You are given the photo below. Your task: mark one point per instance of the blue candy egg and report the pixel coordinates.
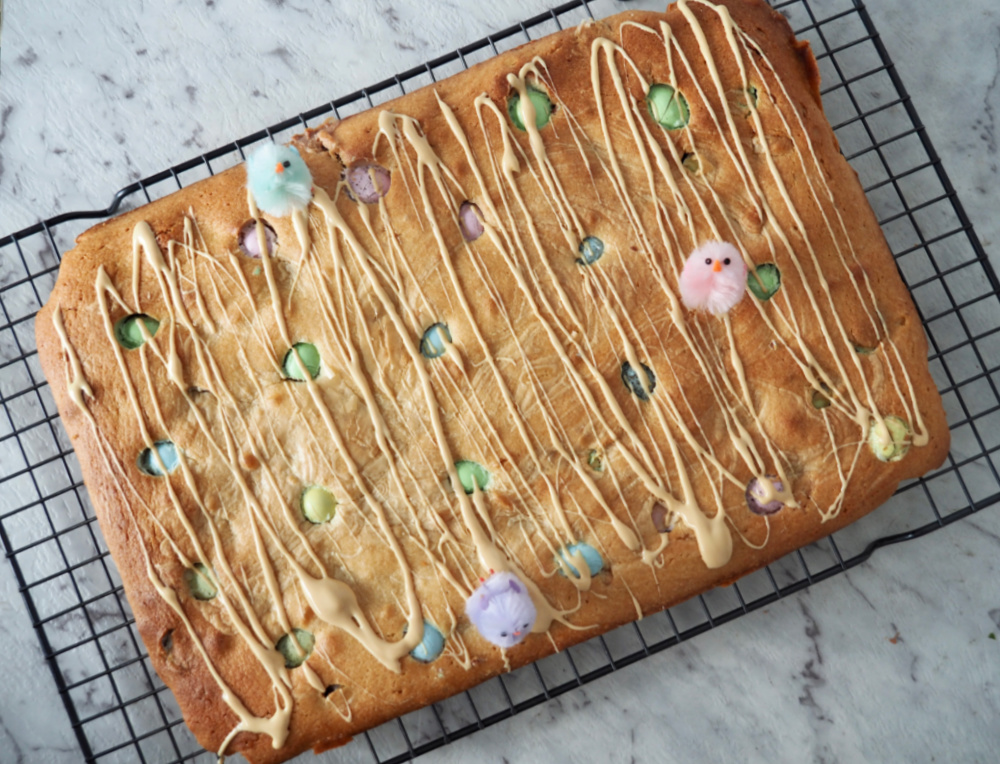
(167, 452)
(431, 646)
(432, 344)
(279, 180)
(590, 556)
(631, 379)
(591, 250)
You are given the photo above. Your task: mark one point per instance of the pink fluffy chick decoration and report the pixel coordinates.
(714, 278)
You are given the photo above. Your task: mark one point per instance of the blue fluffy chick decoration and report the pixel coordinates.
(279, 180)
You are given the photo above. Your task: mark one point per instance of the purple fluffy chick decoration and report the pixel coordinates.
(502, 610)
(714, 278)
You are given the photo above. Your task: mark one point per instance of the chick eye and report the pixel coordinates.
(525, 626)
(503, 633)
(286, 164)
(708, 261)
(726, 261)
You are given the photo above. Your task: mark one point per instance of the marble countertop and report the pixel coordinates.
(896, 660)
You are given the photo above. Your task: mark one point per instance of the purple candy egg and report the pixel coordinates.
(248, 242)
(368, 181)
(757, 493)
(470, 222)
(661, 518)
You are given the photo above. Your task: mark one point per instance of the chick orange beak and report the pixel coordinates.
(279, 168)
(517, 633)
(717, 266)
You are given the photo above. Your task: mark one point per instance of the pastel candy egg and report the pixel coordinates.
(667, 106)
(200, 582)
(592, 558)
(630, 377)
(661, 517)
(472, 475)
(301, 359)
(889, 439)
(296, 652)
(368, 181)
(435, 341)
(539, 101)
(760, 496)
(128, 331)
(431, 644)
(764, 281)
(248, 242)
(318, 505)
(469, 220)
(158, 467)
(591, 249)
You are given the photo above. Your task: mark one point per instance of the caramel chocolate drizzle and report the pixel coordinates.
(344, 270)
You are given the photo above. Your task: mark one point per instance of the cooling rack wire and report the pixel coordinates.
(117, 706)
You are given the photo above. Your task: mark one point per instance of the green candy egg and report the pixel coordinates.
(541, 102)
(309, 357)
(128, 331)
(667, 106)
(295, 653)
(471, 474)
(819, 400)
(889, 439)
(318, 505)
(764, 281)
(200, 582)
(595, 460)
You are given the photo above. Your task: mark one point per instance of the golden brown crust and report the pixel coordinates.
(227, 430)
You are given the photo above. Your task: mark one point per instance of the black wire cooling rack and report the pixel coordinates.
(119, 709)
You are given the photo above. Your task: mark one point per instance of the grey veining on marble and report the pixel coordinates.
(892, 661)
